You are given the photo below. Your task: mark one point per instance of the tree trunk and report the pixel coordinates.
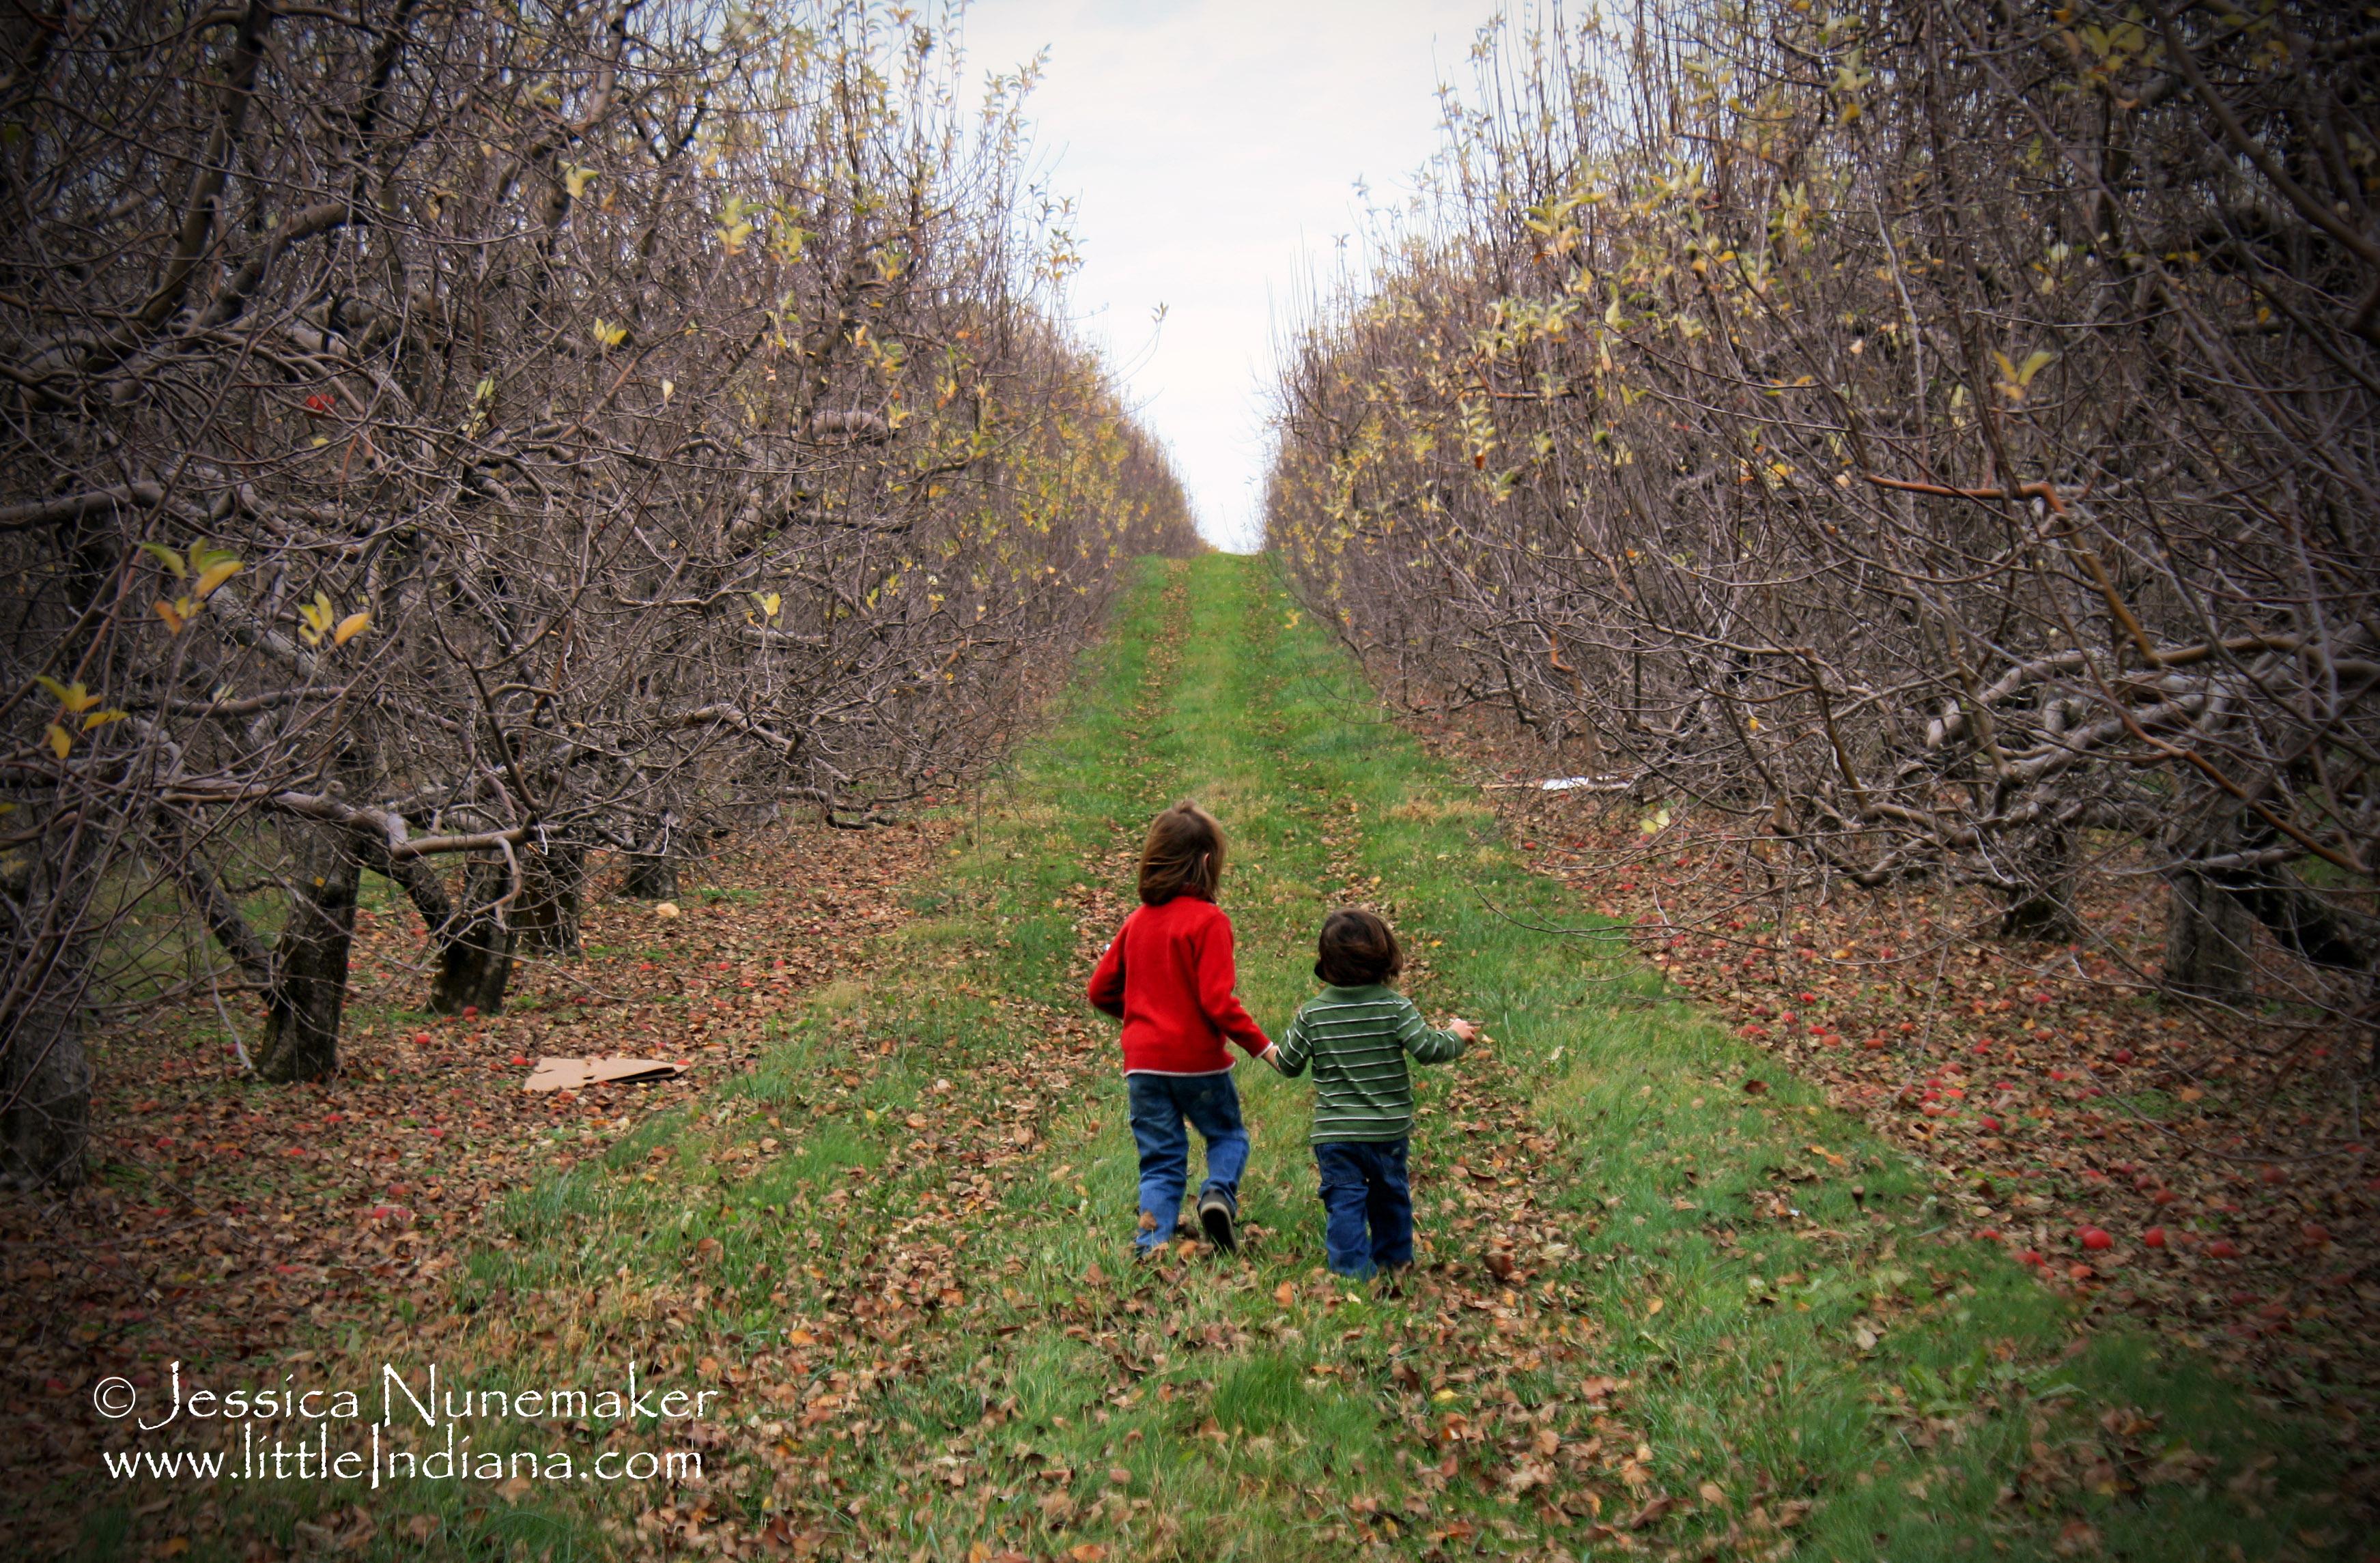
(651, 878)
(476, 960)
(309, 963)
(2324, 930)
(652, 872)
(2209, 935)
(547, 918)
(202, 888)
(2043, 908)
(45, 1086)
(44, 1077)
(2318, 931)
(2040, 915)
(416, 877)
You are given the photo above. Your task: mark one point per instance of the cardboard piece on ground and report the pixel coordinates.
(569, 1074)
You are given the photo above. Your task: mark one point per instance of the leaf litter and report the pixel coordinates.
(228, 1224)
(894, 1287)
(2207, 1171)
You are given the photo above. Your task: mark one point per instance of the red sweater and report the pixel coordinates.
(1168, 974)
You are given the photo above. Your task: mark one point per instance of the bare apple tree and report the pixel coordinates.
(443, 446)
(1941, 436)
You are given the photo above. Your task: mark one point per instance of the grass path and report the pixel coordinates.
(1670, 1301)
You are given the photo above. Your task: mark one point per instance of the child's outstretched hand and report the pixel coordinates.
(1272, 1055)
(1464, 1028)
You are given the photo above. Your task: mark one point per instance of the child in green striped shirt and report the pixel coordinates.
(1356, 1032)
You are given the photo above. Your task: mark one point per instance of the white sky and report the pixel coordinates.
(1213, 148)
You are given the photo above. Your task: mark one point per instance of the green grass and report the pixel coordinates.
(1843, 1383)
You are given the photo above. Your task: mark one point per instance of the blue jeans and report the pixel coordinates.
(1367, 1204)
(1161, 1105)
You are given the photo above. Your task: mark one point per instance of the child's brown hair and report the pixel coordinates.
(1358, 949)
(1183, 855)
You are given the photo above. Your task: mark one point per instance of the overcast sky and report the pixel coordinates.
(1214, 147)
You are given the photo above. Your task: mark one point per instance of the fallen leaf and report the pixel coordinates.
(1651, 1513)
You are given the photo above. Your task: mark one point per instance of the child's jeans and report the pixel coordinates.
(1367, 1204)
(1161, 1104)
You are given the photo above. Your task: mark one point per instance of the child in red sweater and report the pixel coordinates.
(1169, 976)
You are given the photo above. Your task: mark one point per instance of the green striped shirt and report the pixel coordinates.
(1357, 1039)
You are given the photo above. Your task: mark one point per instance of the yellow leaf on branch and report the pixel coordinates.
(72, 697)
(213, 577)
(315, 619)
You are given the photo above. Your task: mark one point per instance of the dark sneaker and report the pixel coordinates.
(1217, 1213)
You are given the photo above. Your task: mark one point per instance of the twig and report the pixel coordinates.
(246, 1065)
(1621, 934)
